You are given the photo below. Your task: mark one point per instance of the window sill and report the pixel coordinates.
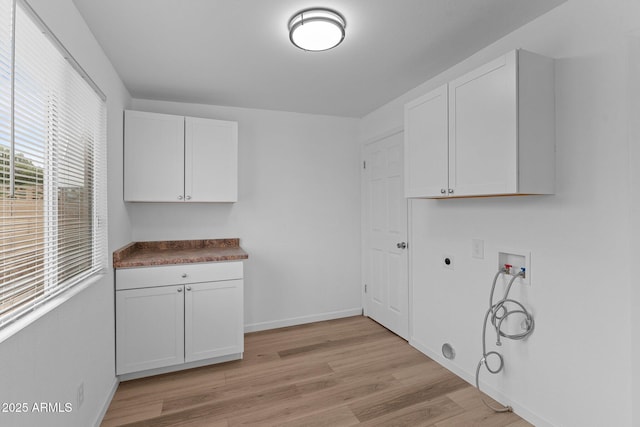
(26, 320)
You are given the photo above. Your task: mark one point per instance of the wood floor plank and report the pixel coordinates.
(427, 371)
(520, 423)
(476, 413)
(488, 419)
(167, 385)
(312, 400)
(331, 344)
(333, 417)
(342, 372)
(221, 409)
(404, 397)
(389, 365)
(257, 378)
(131, 414)
(202, 422)
(421, 414)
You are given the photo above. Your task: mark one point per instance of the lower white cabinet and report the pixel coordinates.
(171, 315)
(149, 328)
(213, 322)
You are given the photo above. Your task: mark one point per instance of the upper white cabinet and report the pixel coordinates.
(179, 159)
(211, 160)
(153, 157)
(426, 134)
(499, 137)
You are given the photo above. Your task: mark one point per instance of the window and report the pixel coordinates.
(52, 166)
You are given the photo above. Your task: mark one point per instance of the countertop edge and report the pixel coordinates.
(146, 254)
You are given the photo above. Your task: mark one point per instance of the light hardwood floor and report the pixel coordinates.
(341, 372)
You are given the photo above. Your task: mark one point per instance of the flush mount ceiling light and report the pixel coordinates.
(317, 29)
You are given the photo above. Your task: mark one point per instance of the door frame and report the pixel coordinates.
(364, 222)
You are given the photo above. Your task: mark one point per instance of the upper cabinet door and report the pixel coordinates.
(426, 134)
(483, 131)
(211, 160)
(153, 157)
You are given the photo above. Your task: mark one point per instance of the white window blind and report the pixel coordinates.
(52, 169)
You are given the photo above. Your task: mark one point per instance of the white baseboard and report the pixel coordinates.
(292, 321)
(107, 402)
(469, 377)
(179, 367)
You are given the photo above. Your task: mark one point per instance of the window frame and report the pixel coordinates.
(55, 291)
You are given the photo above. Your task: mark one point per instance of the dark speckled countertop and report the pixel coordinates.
(142, 254)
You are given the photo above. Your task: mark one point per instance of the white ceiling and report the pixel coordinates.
(237, 52)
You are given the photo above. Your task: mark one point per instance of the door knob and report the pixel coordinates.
(401, 245)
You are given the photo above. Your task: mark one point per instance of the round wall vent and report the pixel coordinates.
(448, 351)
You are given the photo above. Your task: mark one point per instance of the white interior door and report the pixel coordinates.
(386, 298)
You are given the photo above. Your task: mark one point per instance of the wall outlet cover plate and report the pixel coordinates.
(477, 248)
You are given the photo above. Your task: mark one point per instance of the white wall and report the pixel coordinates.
(298, 217)
(634, 196)
(74, 343)
(297, 214)
(575, 368)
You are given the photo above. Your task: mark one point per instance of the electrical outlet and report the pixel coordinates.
(80, 394)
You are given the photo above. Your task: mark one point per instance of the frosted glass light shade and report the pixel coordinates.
(317, 29)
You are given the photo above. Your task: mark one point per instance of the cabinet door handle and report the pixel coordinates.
(451, 191)
(184, 275)
(188, 288)
(179, 197)
(179, 289)
(188, 197)
(443, 191)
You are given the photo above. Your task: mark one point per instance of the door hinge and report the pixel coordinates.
(365, 288)
(364, 164)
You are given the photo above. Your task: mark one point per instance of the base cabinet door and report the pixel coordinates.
(149, 328)
(213, 319)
